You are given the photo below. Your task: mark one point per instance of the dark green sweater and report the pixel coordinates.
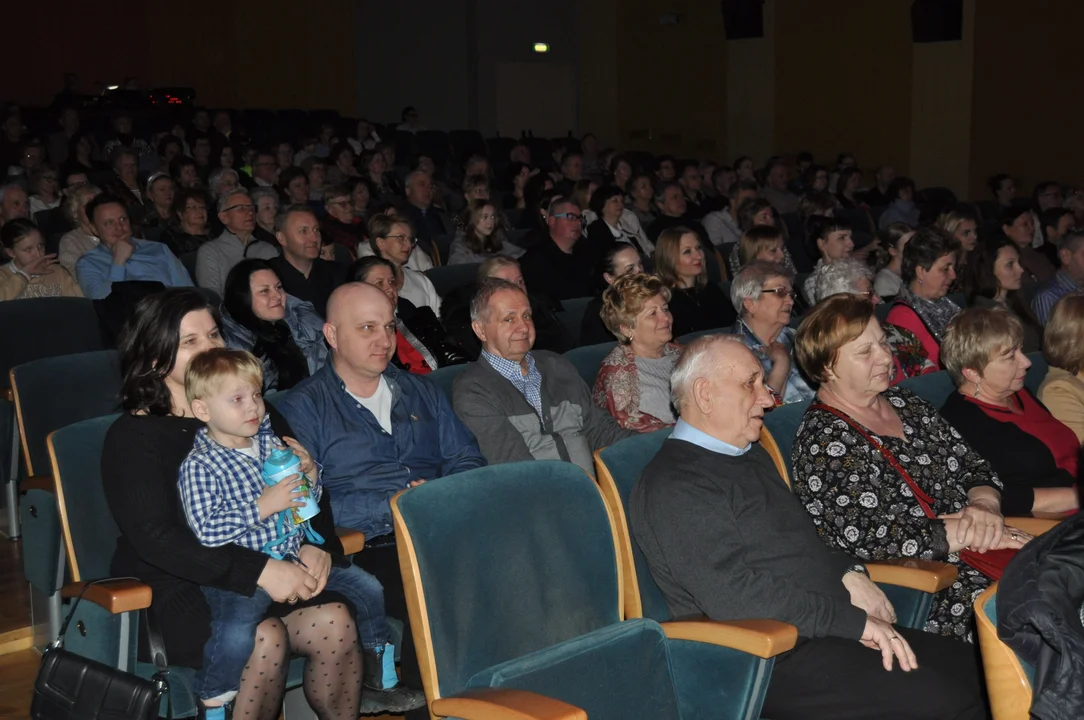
(724, 537)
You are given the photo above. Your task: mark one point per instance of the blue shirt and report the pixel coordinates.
(797, 389)
(529, 385)
(363, 466)
(150, 261)
(685, 431)
(1051, 291)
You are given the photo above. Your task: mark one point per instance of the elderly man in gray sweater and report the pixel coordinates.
(725, 538)
(215, 259)
(524, 404)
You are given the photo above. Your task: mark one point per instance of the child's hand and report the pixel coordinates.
(308, 467)
(280, 496)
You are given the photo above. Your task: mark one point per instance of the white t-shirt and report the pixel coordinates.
(379, 404)
(252, 450)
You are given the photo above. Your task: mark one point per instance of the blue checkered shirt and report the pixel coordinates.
(1050, 292)
(219, 489)
(530, 385)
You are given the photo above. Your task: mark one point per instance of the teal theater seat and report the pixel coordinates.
(514, 577)
(445, 377)
(588, 358)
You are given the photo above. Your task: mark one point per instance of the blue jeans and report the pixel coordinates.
(234, 619)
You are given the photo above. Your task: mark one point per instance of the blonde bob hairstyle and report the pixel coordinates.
(975, 337)
(667, 252)
(625, 298)
(831, 324)
(207, 371)
(755, 240)
(1063, 338)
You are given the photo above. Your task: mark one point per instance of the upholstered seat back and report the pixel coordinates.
(510, 559)
(623, 463)
(587, 360)
(782, 422)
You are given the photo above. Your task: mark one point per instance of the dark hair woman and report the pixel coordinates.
(140, 461)
(285, 333)
(422, 343)
(994, 278)
(620, 259)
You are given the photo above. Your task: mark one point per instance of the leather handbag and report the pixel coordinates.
(70, 686)
(991, 563)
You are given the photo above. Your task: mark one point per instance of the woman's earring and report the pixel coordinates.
(976, 389)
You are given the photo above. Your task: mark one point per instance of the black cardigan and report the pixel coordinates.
(1023, 462)
(140, 465)
(703, 308)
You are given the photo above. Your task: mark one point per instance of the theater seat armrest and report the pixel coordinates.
(925, 575)
(1036, 525)
(37, 482)
(505, 704)
(116, 596)
(763, 638)
(353, 540)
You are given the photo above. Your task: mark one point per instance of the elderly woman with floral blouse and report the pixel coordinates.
(633, 384)
(869, 459)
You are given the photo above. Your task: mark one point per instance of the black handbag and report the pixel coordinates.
(73, 687)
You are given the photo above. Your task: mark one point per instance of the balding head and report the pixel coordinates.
(360, 330)
(718, 388)
(419, 189)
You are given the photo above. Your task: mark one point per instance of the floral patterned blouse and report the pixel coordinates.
(908, 355)
(861, 505)
(618, 389)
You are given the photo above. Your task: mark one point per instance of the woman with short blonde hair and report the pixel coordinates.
(1062, 390)
(1033, 453)
(633, 383)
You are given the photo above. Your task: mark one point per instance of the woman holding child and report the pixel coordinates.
(143, 453)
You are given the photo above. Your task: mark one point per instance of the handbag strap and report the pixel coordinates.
(924, 500)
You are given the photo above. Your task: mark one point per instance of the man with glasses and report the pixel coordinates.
(428, 221)
(674, 211)
(339, 222)
(561, 266)
(215, 259)
(265, 169)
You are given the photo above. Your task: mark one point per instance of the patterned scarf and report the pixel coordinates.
(935, 314)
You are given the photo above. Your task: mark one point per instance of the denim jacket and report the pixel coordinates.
(305, 325)
(363, 466)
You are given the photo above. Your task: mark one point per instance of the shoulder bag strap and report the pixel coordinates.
(923, 499)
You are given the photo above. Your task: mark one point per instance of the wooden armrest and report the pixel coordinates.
(116, 596)
(763, 638)
(353, 540)
(1036, 525)
(38, 482)
(925, 575)
(504, 704)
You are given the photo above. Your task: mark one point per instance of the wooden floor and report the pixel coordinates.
(14, 591)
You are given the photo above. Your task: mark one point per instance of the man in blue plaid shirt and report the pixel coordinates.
(226, 501)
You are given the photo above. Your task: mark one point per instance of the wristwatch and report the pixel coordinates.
(858, 568)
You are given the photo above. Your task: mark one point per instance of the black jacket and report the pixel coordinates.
(1040, 615)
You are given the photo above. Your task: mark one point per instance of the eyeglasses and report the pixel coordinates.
(568, 216)
(343, 203)
(243, 207)
(404, 238)
(781, 292)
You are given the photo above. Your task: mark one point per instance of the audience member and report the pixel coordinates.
(303, 274)
(31, 272)
(642, 199)
(763, 297)
(695, 303)
(409, 122)
(123, 137)
(428, 222)
(1034, 455)
(665, 169)
(1045, 196)
(215, 259)
(285, 333)
(316, 171)
(761, 242)
(81, 239)
(850, 180)
(829, 241)
(1054, 223)
(393, 238)
(1069, 277)
(222, 181)
(722, 226)
(1017, 223)
(1003, 188)
(901, 204)
(295, 185)
(673, 213)
(1062, 391)
(60, 141)
(340, 224)
(633, 382)
(482, 236)
(340, 164)
(421, 343)
(265, 170)
(696, 202)
(888, 281)
(880, 195)
(855, 277)
(922, 305)
(159, 212)
(619, 260)
(14, 203)
(524, 404)
(903, 454)
(724, 537)
(775, 188)
(993, 280)
(190, 230)
(186, 171)
(44, 188)
(559, 266)
(121, 257)
(81, 154)
(613, 222)
(267, 201)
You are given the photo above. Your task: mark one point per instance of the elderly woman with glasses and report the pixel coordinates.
(393, 239)
(881, 473)
(339, 222)
(853, 276)
(633, 384)
(763, 296)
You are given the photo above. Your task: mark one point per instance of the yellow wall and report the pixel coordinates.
(750, 86)
(843, 79)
